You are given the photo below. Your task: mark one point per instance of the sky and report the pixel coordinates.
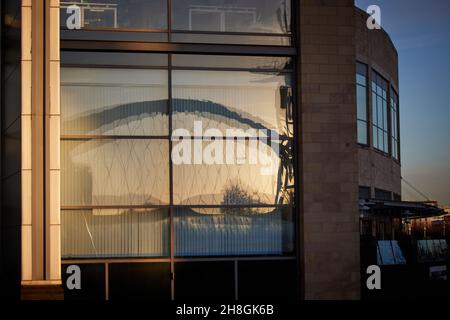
(420, 30)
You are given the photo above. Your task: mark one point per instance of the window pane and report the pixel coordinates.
(361, 70)
(362, 103)
(232, 100)
(271, 16)
(109, 59)
(380, 112)
(115, 172)
(228, 231)
(119, 14)
(374, 109)
(375, 137)
(243, 173)
(386, 142)
(232, 62)
(361, 80)
(362, 132)
(100, 101)
(115, 233)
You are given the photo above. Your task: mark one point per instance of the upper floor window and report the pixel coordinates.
(361, 93)
(118, 14)
(395, 125)
(252, 22)
(380, 113)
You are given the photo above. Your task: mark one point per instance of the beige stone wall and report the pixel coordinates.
(378, 171)
(375, 48)
(329, 163)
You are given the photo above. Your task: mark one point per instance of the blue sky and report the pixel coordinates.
(420, 29)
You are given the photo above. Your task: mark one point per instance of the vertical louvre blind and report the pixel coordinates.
(115, 233)
(234, 233)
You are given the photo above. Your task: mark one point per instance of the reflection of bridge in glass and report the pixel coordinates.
(106, 118)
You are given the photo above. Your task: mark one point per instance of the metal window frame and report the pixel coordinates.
(171, 206)
(205, 49)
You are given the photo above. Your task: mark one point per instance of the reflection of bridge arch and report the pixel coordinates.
(108, 116)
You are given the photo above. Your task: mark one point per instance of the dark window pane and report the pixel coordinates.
(119, 14)
(255, 16)
(100, 101)
(115, 233)
(383, 195)
(92, 283)
(364, 193)
(115, 172)
(268, 280)
(232, 231)
(374, 109)
(140, 281)
(210, 281)
(361, 69)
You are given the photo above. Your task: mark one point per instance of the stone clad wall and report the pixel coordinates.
(329, 162)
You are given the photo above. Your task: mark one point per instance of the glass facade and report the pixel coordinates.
(187, 21)
(361, 99)
(125, 126)
(380, 110)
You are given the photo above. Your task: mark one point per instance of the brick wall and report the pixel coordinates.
(329, 161)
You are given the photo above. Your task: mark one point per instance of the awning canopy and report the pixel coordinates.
(400, 208)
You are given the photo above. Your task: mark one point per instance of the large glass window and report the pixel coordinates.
(395, 125)
(380, 113)
(199, 145)
(250, 22)
(361, 96)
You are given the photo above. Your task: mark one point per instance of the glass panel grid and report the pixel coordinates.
(114, 173)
